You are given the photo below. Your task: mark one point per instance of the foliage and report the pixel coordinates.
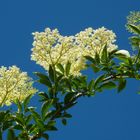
(63, 58)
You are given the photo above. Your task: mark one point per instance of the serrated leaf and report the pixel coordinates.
(40, 124)
(95, 68)
(28, 119)
(68, 98)
(91, 84)
(19, 119)
(26, 101)
(35, 115)
(18, 127)
(44, 79)
(67, 70)
(46, 136)
(60, 67)
(64, 121)
(70, 105)
(19, 105)
(104, 55)
(31, 127)
(51, 123)
(44, 96)
(68, 84)
(108, 85)
(52, 73)
(67, 115)
(98, 80)
(45, 107)
(97, 58)
(59, 78)
(121, 85)
(90, 59)
(11, 134)
(52, 128)
(50, 114)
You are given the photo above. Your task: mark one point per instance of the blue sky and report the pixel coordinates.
(107, 116)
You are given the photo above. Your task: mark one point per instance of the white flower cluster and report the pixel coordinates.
(14, 85)
(49, 47)
(93, 41)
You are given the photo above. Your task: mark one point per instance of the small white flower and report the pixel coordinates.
(49, 47)
(14, 84)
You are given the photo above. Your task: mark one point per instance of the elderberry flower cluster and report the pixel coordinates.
(93, 41)
(14, 85)
(49, 47)
(52, 48)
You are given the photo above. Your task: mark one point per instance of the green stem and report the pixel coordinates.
(137, 56)
(0, 133)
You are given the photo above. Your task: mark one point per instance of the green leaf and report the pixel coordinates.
(135, 41)
(28, 119)
(59, 78)
(95, 68)
(41, 75)
(46, 136)
(60, 67)
(26, 101)
(104, 55)
(108, 85)
(91, 84)
(90, 59)
(44, 79)
(35, 115)
(19, 118)
(64, 121)
(31, 127)
(0, 135)
(50, 114)
(19, 105)
(68, 84)
(51, 128)
(52, 73)
(112, 52)
(98, 80)
(45, 107)
(134, 28)
(97, 58)
(11, 135)
(121, 85)
(68, 65)
(51, 123)
(44, 96)
(18, 127)
(40, 124)
(68, 98)
(67, 115)
(70, 105)
(2, 115)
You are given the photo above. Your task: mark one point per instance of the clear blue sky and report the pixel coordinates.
(107, 116)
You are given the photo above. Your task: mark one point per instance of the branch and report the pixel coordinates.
(35, 137)
(78, 95)
(67, 105)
